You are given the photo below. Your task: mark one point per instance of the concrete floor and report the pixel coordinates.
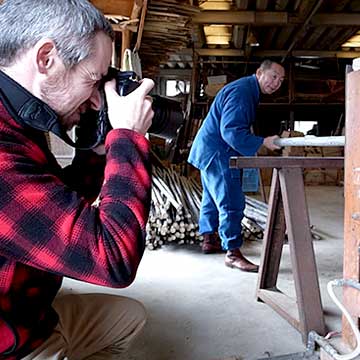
(198, 309)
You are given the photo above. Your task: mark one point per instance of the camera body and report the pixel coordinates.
(167, 121)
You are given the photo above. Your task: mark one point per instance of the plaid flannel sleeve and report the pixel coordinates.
(85, 174)
(47, 225)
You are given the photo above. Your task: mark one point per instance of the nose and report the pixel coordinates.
(95, 99)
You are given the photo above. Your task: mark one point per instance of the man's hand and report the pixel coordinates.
(269, 142)
(134, 111)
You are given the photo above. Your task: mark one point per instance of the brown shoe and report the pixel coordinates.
(235, 259)
(211, 244)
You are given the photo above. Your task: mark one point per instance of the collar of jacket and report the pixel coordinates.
(257, 86)
(28, 110)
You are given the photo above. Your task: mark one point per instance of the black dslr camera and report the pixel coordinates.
(94, 125)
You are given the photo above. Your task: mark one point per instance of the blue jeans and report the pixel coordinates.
(223, 202)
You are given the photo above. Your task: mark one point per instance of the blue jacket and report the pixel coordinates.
(226, 130)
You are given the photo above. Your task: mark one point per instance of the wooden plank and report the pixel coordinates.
(351, 298)
(339, 19)
(276, 53)
(302, 253)
(141, 26)
(280, 5)
(273, 238)
(343, 36)
(282, 304)
(261, 4)
(315, 34)
(241, 17)
(245, 17)
(119, 7)
(285, 162)
(284, 36)
(242, 4)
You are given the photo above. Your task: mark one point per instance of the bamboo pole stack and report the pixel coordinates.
(175, 208)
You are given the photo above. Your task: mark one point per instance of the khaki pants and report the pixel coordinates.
(92, 326)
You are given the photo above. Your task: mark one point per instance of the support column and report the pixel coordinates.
(351, 297)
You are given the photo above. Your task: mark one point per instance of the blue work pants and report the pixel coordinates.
(223, 202)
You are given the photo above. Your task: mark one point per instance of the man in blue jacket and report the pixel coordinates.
(226, 132)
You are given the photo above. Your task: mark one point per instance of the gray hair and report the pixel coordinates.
(71, 24)
(266, 64)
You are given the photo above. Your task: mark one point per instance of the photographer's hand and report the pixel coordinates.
(134, 111)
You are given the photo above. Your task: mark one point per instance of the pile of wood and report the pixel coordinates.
(167, 30)
(175, 208)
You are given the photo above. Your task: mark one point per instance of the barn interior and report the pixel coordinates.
(198, 308)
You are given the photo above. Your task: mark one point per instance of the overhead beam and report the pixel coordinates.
(340, 19)
(272, 18)
(278, 53)
(300, 33)
(241, 17)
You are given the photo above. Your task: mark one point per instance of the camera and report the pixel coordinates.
(94, 125)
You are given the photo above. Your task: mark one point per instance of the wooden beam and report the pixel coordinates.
(315, 35)
(130, 25)
(340, 19)
(240, 17)
(238, 36)
(143, 10)
(305, 8)
(284, 36)
(351, 297)
(119, 7)
(280, 5)
(241, 4)
(340, 5)
(286, 162)
(342, 37)
(267, 40)
(261, 4)
(275, 53)
(302, 30)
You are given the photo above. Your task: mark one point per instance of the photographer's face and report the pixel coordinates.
(70, 92)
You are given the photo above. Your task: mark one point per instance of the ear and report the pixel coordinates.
(45, 55)
(258, 73)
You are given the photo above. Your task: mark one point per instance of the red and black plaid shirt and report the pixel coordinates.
(49, 229)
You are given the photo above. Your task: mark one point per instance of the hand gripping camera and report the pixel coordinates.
(94, 125)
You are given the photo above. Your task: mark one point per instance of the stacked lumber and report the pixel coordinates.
(167, 30)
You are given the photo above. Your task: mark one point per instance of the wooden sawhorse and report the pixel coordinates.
(288, 213)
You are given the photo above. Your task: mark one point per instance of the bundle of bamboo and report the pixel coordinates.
(175, 211)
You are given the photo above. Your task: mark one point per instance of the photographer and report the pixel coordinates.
(53, 54)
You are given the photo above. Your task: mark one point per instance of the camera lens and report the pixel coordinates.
(168, 117)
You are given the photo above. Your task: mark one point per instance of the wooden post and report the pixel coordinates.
(351, 297)
(138, 10)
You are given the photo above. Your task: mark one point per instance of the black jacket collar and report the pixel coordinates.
(28, 110)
